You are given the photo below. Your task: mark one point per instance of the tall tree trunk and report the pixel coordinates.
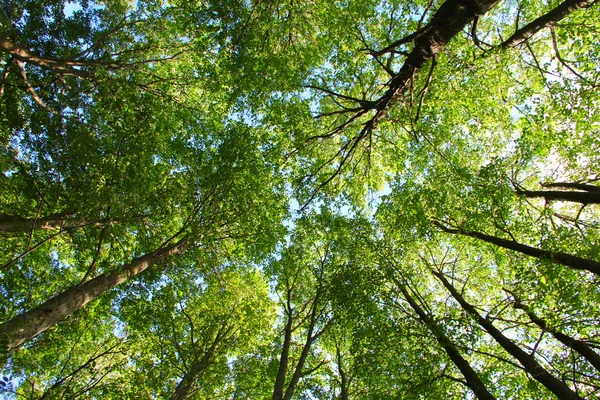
(198, 367)
(310, 338)
(344, 379)
(279, 388)
(575, 197)
(548, 19)
(29, 324)
(561, 390)
(568, 260)
(576, 345)
(15, 223)
(472, 378)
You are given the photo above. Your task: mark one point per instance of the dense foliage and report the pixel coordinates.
(300, 199)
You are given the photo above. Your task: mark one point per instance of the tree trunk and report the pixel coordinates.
(548, 19)
(576, 345)
(473, 381)
(447, 22)
(29, 324)
(289, 392)
(15, 223)
(561, 258)
(561, 390)
(278, 391)
(198, 367)
(575, 197)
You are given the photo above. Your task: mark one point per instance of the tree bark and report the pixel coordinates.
(561, 390)
(59, 66)
(198, 367)
(279, 388)
(29, 324)
(472, 378)
(15, 223)
(447, 22)
(576, 345)
(575, 197)
(568, 260)
(548, 19)
(289, 392)
(573, 185)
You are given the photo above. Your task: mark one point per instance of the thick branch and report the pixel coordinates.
(577, 345)
(58, 66)
(573, 185)
(15, 223)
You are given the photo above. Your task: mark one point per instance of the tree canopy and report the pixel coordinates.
(300, 199)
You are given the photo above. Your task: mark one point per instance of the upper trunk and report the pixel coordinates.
(29, 324)
(310, 338)
(448, 21)
(198, 367)
(561, 390)
(278, 390)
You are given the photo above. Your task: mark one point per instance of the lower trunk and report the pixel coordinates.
(561, 390)
(182, 390)
(29, 324)
(289, 392)
(473, 381)
(278, 391)
(561, 258)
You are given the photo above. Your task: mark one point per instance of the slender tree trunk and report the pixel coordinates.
(561, 390)
(472, 378)
(561, 258)
(548, 19)
(29, 324)
(576, 345)
(344, 380)
(198, 367)
(15, 223)
(575, 197)
(278, 391)
(289, 392)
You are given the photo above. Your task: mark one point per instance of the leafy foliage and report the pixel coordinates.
(299, 199)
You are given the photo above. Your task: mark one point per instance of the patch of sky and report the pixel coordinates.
(71, 8)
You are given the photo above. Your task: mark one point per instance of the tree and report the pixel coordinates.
(162, 161)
